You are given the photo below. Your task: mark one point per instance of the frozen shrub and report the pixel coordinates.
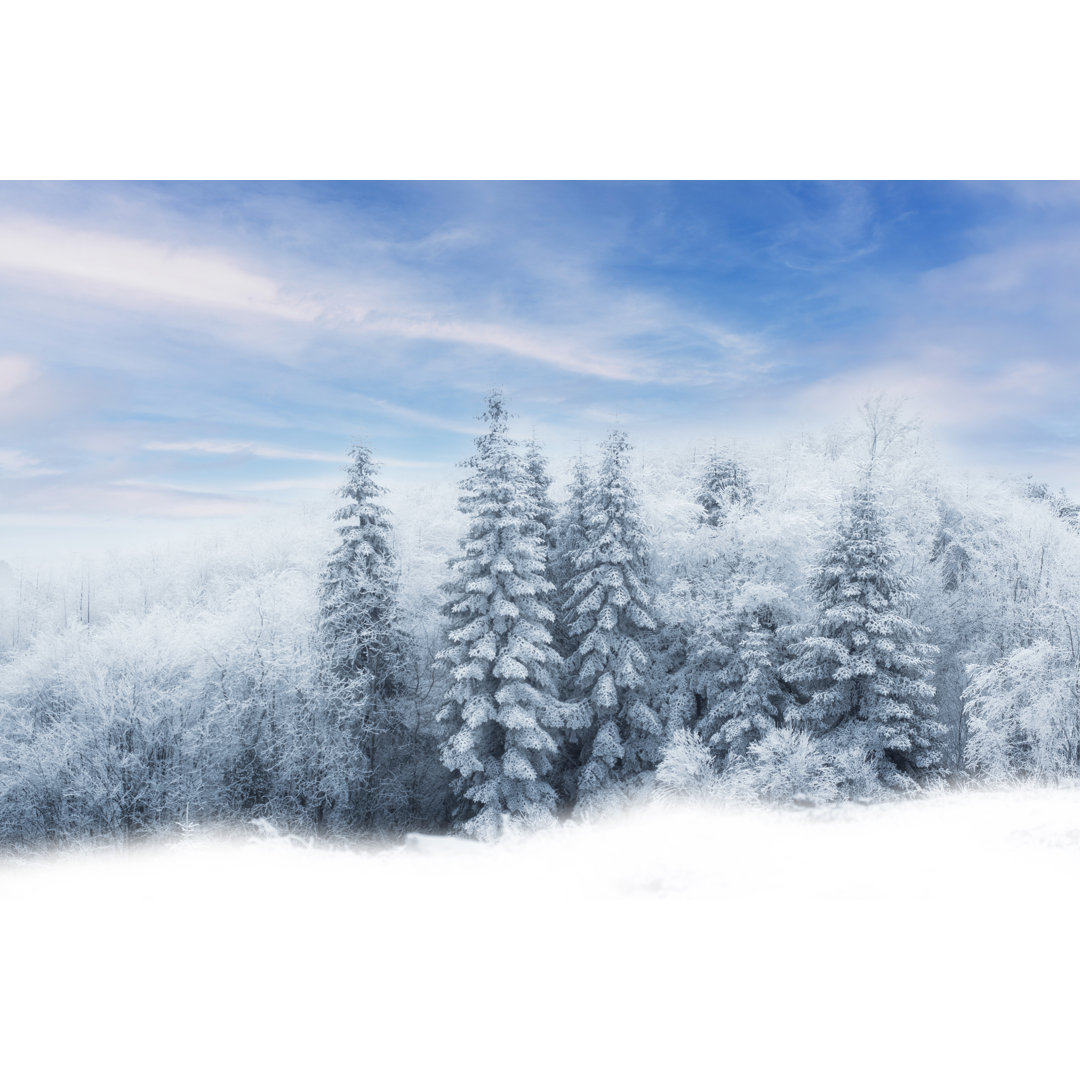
(856, 774)
(786, 766)
(686, 767)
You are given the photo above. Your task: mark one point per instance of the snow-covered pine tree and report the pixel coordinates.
(570, 526)
(499, 709)
(358, 589)
(866, 672)
(360, 630)
(609, 612)
(723, 485)
(569, 535)
(736, 658)
(952, 550)
(536, 467)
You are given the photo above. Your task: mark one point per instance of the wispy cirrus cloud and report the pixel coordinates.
(202, 340)
(414, 417)
(18, 463)
(139, 499)
(941, 386)
(227, 448)
(132, 271)
(527, 343)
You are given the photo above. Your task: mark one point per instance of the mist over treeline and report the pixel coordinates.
(836, 616)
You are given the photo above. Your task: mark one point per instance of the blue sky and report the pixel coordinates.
(190, 351)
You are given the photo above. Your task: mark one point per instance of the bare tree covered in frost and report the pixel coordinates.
(500, 707)
(616, 735)
(1024, 715)
(865, 670)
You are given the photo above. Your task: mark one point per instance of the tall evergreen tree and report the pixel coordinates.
(536, 467)
(609, 611)
(723, 485)
(570, 523)
(866, 673)
(500, 708)
(570, 526)
(736, 656)
(358, 589)
(361, 634)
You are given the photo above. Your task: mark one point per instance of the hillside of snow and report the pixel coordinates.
(924, 938)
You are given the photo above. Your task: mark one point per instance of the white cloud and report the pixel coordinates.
(414, 416)
(134, 499)
(134, 270)
(401, 463)
(18, 463)
(15, 371)
(224, 447)
(943, 387)
(308, 483)
(520, 342)
(1044, 194)
(988, 275)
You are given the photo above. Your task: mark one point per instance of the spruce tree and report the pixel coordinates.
(866, 673)
(358, 590)
(723, 485)
(569, 541)
(952, 550)
(570, 523)
(499, 708)
(543, 512)
(737, 657)
(608, 612)
(363, 644)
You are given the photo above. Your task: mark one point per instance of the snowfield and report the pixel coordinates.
(928, 938)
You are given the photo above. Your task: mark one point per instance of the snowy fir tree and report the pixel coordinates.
(723, 486)
(543, 512)
(570, 524)
(952, 550)
(737, 656)
(569, 533)
(360, 631)
(499, 708)
(616, 734)
(358, 589)
(866, 673)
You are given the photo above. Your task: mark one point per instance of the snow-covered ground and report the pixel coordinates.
(932, 938)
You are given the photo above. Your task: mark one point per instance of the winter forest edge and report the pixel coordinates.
(838, 617)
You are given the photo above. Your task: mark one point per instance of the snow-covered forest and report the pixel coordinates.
(834, 616)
